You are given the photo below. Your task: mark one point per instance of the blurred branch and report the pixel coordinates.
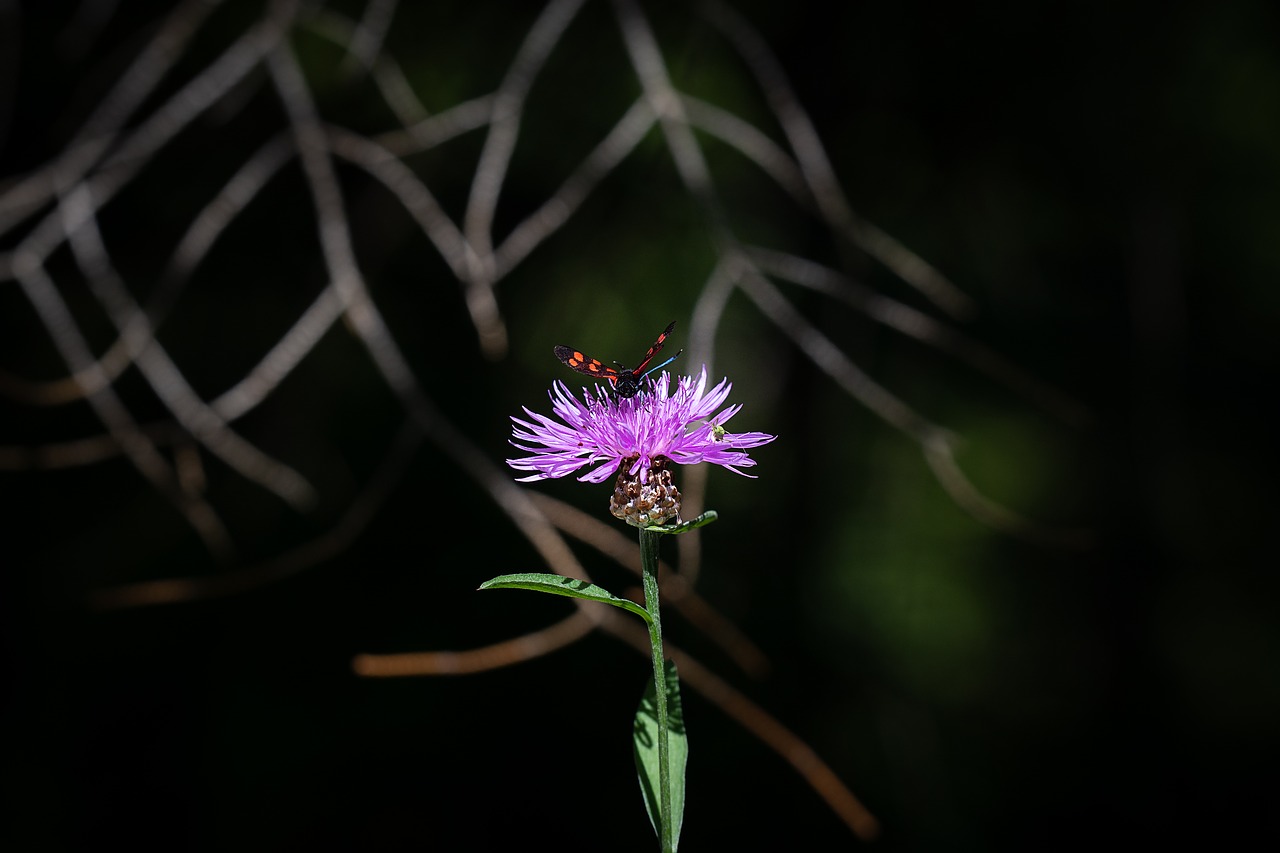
(520, 649)
(495, 157)
(359, 512)
(101, 129)
(56, 317)
(609, 539)
(200, 420)
(59, 205)
(819, 173)
(920, 326)
(777, 737)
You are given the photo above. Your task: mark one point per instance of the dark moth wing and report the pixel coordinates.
(575, 360)
(625, 382)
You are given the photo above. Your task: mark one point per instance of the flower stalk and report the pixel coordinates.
(649, 575)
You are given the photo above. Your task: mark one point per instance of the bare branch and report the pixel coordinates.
(410, 190)
(816, 772)
(921, 327)
(164, 376)
(496, 656)
(102, 127)
(335, 540)
(43, 294)
(555, 212)
(819, 173)
(677, 591)
(486, 185)
(935, 441)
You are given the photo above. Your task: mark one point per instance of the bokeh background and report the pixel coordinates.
(1076, 644)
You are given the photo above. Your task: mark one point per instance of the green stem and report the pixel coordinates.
(649, 567)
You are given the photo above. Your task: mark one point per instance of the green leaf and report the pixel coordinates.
(645, 743)
(570, 587)
(701, 521)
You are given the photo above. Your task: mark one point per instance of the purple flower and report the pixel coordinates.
(645, 431)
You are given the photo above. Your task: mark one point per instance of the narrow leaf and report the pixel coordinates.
(645, 745)
(570, 587)
(701, 521)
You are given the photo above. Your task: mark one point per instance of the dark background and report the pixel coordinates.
(1102, 180)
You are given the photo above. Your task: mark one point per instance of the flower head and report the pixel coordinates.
(634, 437)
